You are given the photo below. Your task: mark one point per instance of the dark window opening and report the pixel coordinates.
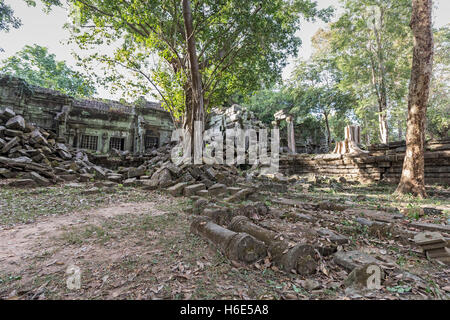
(117, 143)
(151, 142)
(89, 142)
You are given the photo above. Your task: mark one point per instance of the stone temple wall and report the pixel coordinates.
(88, 124)
(382, 163)
(313, 141)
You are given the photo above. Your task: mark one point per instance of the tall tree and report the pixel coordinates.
(198, 113)
(372, 46)
(438, 110)
(38, 67)
(413, 176)
(192, 52)
(315, 87)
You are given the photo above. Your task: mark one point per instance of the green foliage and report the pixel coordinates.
(265, 103)
(316, 91)
(7, 18)
(241, 45)
(399, 289)
(438, 120)
(372, 45)
(313, 97)
(312, 127)
(38, 67)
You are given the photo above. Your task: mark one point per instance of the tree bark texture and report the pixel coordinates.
(413, 177)
(195, 106)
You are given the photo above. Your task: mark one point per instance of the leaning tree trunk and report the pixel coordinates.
(195, 110)
(413, 176)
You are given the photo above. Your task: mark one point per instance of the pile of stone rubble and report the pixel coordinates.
(31, 157)
(434, 245)
(230, 118)
(159, 172)
(35, 157)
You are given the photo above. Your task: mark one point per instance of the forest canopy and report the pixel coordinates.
(358, 73)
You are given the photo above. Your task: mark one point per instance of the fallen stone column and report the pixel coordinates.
(299, 258)
(235, 246)
(243, 224)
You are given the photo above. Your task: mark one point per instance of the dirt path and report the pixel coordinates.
(144, 250)
(22, 242)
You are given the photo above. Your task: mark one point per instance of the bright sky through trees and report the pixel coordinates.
(47, 30)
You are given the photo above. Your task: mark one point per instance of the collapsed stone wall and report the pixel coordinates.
(35, 157)
(239, 117)
(382, 163)
(76, 120)
(235, 116)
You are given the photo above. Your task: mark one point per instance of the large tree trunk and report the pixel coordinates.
(382, 117)
(382, 100)
(400, 130)
(382, 105)
(195, 110)
(413, 177)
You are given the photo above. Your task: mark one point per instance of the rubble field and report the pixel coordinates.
(132, 243)
(156, 230)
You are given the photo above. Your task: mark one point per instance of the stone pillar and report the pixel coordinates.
(104, 143)
(71, 137)
(61, 122)
(275, 125)
(141, 133)
(79, 138)
(290, 134)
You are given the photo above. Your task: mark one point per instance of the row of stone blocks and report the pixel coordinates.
(367, 167)
(188, 189)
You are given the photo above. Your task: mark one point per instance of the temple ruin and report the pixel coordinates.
(104, 126)
(98, 126)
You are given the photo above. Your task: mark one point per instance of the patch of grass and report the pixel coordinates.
(401, 260)
(179, 206)
(20, 206)
(83, 234)
(8, 278)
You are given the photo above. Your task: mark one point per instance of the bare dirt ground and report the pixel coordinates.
(135, 244)
(19, 243)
